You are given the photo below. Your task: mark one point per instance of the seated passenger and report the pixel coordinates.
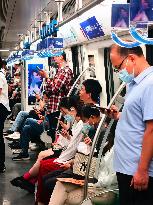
(67, 107)
(21, 118)
(72, 192)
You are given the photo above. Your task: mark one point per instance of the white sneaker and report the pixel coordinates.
(33, 146)
(11, 121)
(14, 136)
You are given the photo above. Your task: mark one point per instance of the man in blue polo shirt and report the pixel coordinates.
(133, 146)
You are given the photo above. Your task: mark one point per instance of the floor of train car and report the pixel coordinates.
(10, 195)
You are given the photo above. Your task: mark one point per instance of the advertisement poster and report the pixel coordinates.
(141, 10)
(34, 81)
(91, 28)
(120, 16)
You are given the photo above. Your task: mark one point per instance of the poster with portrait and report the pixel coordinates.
(120, 16)
(34, 81)
(141, 11)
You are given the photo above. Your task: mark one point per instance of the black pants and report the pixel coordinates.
(129, 196)
(3, 115)
(50, 180)
(52, 118)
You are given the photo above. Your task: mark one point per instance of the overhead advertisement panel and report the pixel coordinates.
(94, 23)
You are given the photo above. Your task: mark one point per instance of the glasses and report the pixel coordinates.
(117, 68)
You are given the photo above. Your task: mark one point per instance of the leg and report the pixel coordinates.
(63, 189)
(52, 118)
(3, 115)
(16, 110)
(50, 180)
(35, 168)
(22, 115)
(46, 166)
(130, 196)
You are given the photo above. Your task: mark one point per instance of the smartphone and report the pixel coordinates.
(34, 92)
(85, 134)
(106, 110)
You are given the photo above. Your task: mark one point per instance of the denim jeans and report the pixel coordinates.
(30, 131)
(21, 117)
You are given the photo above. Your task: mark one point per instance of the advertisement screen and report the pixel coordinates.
(141, 10)
(34, 81)
(120, 16)
(91, 28)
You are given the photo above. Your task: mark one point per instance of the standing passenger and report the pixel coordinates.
(4, 108)
(57, 88)
(133, 147)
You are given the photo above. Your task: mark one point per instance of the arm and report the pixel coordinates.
(141, 178)
(57, 83)
(0, 91)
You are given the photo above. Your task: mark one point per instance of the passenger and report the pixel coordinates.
(71, 189)
(69, 107)
(4, 110)
(14, 131)
(57, 88)
(133, 150)
(89, 93)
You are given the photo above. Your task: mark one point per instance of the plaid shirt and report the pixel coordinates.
(58, 87)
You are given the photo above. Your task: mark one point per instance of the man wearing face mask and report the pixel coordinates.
(4, 108)
(133, 146)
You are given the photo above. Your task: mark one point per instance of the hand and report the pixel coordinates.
(39, 121)
(65, 133)
(114, 114)
(66, 166)
(140, 180)
(37, 96)
(87, 140)
(43, 74)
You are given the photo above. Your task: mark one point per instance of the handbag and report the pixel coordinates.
(80, 165)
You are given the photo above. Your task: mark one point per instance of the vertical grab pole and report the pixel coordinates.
(96, 139)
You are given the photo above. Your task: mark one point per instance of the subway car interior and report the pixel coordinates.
(76, 96)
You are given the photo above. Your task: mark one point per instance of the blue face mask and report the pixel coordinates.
(125, 76)
(86, 127)
(69, 118)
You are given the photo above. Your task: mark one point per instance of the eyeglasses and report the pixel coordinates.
(117, 68)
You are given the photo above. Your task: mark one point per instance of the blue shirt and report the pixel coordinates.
(138, 108)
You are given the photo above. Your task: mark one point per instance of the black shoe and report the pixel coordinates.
(23, 184)
(2, 168)
(14, 145)
(8, 132)
(21, 157)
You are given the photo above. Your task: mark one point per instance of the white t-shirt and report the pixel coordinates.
(71, 150)
(4, 94)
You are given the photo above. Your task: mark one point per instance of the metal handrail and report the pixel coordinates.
(78, 78)
(100, 127)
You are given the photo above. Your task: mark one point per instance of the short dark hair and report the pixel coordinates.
(68, 102)
(4, 62)
(93, 87)
(89, 110)
(64, 55)
(126, 51)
